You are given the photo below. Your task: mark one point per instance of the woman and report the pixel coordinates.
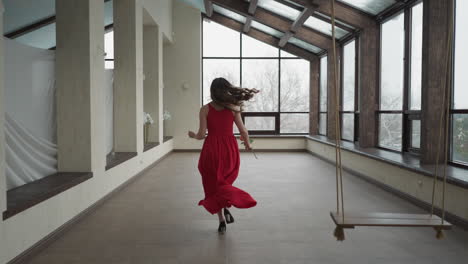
(220, 160)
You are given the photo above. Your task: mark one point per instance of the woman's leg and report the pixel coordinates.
(220, 216)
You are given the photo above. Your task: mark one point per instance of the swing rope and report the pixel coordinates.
(339, 233)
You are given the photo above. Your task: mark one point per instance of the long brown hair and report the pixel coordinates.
(229, 96)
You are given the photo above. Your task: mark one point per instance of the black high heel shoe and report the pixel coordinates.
(228, 216)
(222, 227)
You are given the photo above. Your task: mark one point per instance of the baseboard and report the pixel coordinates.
(450, 217)
(54, 235)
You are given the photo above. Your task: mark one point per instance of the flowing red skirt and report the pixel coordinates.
(219, 166)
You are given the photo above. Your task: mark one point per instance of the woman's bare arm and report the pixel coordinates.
(243, 131)
(203, 125)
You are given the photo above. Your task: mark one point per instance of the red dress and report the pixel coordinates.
(219, 164)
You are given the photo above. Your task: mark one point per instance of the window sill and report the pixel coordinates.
(455, 175)
(26, 196)
(118, 158)
(167, 138)
(150, 145)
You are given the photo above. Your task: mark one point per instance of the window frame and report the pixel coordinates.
(320, 112)
(355, 111)
(275, 114)
(454, 111)
(406, 113)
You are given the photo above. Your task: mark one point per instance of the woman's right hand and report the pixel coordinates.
(191, 134)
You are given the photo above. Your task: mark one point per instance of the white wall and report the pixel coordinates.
(30, 88)
(414, 184)
(161, 12)
(182, 64)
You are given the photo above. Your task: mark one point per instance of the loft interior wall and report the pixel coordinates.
(161, 12)
(23, 230)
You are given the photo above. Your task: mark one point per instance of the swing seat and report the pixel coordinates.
(352, 220)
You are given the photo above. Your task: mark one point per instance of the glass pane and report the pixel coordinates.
(323, 124)
(260, 123)
(109, 45)
(460, 138)
(304, 45)
(214, 68)
(295, 85)
(294, 123)
(254, 48)
(338, 22)
(220, 41)
(267, 29)
(347, 129)
(109, 65)
(461, 56)
(280, 9)
(415, 133)
(43, 38)
(261, 74)
(392, 59)
(323, 84)
(390, 131)
(229, 13)
(370, 6)
(416, 56)
(285, 54)
(324, 27)
(349, 75)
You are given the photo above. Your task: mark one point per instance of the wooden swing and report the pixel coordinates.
(352, 220)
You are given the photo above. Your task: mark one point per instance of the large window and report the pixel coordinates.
(400, 94)
(109, 49)
(282, 106)
(349, 93)
(323, 96)
(459, 112)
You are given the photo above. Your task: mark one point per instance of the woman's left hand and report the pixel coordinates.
(191, 134)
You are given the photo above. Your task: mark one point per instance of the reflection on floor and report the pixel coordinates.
(156, 220)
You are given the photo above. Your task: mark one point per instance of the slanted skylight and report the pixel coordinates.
(370, 6)
(229, 13)
(267, 29)
(338, 22)
(324, 27)
(280, 9)
(304, 45)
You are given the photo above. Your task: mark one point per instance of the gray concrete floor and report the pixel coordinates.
(156, 220)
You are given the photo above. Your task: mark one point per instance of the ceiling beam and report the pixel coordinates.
(277, 22)
(263, 37)
(208, 8)
(253, 6)
(296, 25)
(251, 11)
(343, 12)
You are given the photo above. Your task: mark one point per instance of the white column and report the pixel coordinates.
(79, 75)
(160, 86)
(128, 80)
(151, 82)
(2, 117)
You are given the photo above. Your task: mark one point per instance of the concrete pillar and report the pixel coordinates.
(151, 83)
(79, 75)
(331, 95)
(368, 83)
(2, 117)
(128, 76)
(434, 55)
(314, 96)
